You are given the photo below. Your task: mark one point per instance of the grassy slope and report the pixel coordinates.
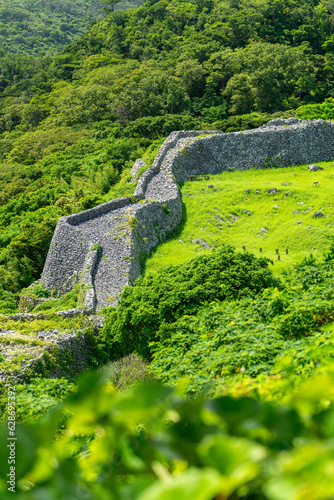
(296, 191)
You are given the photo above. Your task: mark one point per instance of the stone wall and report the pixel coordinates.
(66, 357)
(126, 229)
(48, 353)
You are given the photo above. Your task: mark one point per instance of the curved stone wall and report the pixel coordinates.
(126, 229)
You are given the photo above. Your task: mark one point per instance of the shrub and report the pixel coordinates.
(249, 336)
(34, 399)
(67, 301)
(8, 302)
(128, 371)
(145, 310)
(325, 110)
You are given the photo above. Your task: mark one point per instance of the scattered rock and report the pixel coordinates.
(210, 186)
(264, 229)
(225, 219)
(276, 206)
(234, 217)
(203, 243)
(258, 191)
(318, 214)
(299, 222)
(218, 218)
(314, 167)
(246, 212)
(247, 191)
(272, 191)
(181, 241)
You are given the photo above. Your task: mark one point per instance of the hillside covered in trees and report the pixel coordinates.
(35, 26)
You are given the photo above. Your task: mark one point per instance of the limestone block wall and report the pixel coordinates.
(280, 143)
(69, 357)
(126, 229)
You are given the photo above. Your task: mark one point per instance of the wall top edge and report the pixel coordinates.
(277, 124)
(96, 211)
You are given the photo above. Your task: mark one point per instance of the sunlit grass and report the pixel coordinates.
(50, 322)
(296, 192)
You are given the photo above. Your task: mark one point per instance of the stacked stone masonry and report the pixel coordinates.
(126, 229)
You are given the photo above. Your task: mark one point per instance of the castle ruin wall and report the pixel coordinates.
(126, 229)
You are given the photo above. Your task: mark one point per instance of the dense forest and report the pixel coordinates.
(246, 412)
(39, 26)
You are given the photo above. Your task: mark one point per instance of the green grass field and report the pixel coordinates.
(228, 214)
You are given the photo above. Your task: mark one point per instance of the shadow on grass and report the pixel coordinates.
(174, 235)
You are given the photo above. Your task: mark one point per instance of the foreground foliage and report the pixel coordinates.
(151, 443)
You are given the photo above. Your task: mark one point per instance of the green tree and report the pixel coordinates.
(270, 75)
(110, 4)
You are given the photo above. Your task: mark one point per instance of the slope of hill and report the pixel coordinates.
(34, 26)
(269, 209)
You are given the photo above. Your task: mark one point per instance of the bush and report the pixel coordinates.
(325, 110)
(67, 301)
(250, 336)
(128, 371)
(145, 310)
(34, 399)
(154, 127)
(8, 302)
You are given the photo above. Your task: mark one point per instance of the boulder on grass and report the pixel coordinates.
(314, 167)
